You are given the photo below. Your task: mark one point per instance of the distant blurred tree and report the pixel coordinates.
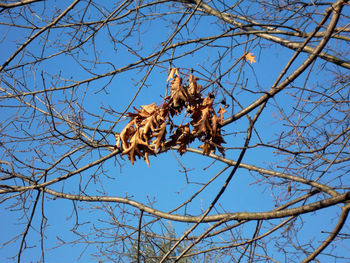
(152, 249)
(274, 79)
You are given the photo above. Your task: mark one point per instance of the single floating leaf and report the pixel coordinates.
(250, 57)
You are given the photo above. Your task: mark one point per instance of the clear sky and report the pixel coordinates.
(163, 184)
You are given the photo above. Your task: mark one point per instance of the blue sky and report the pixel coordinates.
(163, 183)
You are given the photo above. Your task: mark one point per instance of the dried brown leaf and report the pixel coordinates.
(202, 124)
(160, 136)
(207, 148)
(171, 74)
(182, 137)
(221, 112)
(250, 57)
(193, 86)
(178, 94)
(138, 147)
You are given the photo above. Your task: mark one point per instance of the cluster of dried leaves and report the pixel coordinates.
(146, 132)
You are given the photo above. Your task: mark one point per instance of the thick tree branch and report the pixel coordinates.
(19, 3)
(210, 218)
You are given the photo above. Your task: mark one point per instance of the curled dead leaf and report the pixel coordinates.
(171, 74)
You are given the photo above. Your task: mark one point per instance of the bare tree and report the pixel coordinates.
(249, 99)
